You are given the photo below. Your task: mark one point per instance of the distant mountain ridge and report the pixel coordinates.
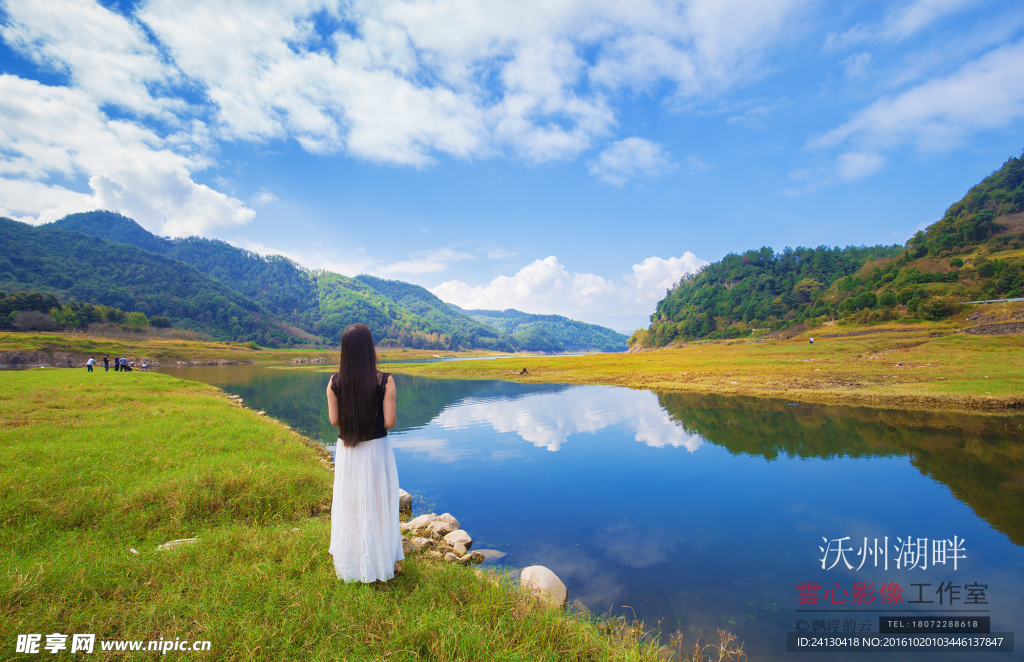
(566, 334)
(230, 293)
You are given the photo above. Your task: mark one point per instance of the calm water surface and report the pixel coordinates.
(702, 511)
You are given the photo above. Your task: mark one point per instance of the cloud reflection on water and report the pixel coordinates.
(546, 420)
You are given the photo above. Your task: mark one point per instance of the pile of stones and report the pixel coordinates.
(440, 536)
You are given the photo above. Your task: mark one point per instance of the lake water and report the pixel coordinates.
(708, 512)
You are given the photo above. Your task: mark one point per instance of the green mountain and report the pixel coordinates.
(72, 265)
(281, 286)
(991, 210)
(399, 314)
(550, 332)
(300, 305)
(972, 253)
(426, 312)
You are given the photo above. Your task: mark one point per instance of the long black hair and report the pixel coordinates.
(356, 385)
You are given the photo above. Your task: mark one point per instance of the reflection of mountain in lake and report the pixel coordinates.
(421, 400)
(974, 455)
(298, 395)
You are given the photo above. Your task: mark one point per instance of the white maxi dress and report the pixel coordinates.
(365, 538)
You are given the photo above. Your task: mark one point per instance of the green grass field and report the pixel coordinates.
(96, 466)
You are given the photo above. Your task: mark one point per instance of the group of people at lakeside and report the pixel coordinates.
(120, 363)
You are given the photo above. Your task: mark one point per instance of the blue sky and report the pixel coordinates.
(554, 156)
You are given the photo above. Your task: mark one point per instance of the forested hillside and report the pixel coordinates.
(317, 302)
(550, 332)
(105, 258)
(280, 285)
(972, 253)
(72, 265)
(428, 314)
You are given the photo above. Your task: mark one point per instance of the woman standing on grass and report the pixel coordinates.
(365, 539)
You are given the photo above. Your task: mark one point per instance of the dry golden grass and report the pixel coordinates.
(921, 366)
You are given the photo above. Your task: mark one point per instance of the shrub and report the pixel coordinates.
(159, 322)
(939, 308)
(956, 263)
(136, 320)
(866, 300)
(888, 299)
(33, 321)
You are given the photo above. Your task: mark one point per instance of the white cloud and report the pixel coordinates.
(856, 66)
(652, 277)
(939, 114)
(424, 76)
(856, 165)
(40, 202)
(900, 22)
(914, 16)
(426, 262)
(570, 412)
(264, 197)
(399, 82)
(57, 131)
(104, 54)
(547, 287)
(630, 158)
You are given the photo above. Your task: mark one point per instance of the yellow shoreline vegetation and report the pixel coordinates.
(924, 366)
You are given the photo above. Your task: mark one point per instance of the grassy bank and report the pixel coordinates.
(95, 467)
(164, 351)
(908, 367)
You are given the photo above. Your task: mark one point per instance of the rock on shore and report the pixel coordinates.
(442, 537)
(545, 585)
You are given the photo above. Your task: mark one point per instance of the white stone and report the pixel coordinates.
(439, 528)
(404, 501)
(545, 585)
(492, 554)
(176, 543)
(451, 558)
(459, 536)
(454, 523)
(460, 549)
(422, 521)
(420, 543)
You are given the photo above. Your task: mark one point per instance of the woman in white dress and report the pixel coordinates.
(365, 539)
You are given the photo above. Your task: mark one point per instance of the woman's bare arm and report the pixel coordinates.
(390, 404)
(332, 405)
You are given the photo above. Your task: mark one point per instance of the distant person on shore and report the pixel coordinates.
(366, 541)
(117, 363)
(124, 364)
(89, 364)
(812, 340)
(106, 363)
